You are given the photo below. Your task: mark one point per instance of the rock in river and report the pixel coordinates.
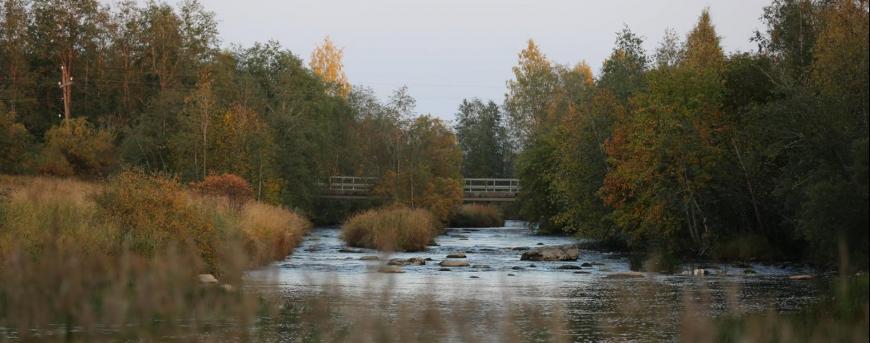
(569, 266)
(370, 258)
(552, 253)
(454, 263)
(456, 255)
(414, 261)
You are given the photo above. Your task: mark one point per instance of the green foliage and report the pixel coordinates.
(477, 215)
(14, 142)
(75, 147)
(483, 139)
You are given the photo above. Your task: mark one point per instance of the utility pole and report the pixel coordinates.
(65, 85)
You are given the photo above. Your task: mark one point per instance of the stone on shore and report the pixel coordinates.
(207, 279)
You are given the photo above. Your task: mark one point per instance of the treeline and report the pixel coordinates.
(688, 151)
(150, 87)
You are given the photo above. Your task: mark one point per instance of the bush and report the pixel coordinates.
(14, 141)
(391, 229)
(272, 232)
(477, 215)
(236, 189)
(76, 148)
(124, 256)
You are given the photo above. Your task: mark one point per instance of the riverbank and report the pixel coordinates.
(138, 252)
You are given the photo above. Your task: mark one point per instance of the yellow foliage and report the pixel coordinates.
(326, 63)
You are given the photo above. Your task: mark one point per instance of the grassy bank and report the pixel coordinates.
(391, 229)
(477, 215)
(84, 256)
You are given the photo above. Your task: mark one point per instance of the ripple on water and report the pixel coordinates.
(591, 299)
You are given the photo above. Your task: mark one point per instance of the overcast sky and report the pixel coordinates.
(447, 50)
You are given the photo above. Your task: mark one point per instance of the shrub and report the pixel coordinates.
(154, 212)
(391, 229)
(477, 215)
(14, 140)
(272, 232)
(124, 256)
(76, 148)
(235, 188)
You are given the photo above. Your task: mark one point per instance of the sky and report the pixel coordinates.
(447, 50)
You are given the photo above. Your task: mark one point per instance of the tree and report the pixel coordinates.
(623, 71)
(326, 63)
(483, 139)
(665, 155)
(529, 93)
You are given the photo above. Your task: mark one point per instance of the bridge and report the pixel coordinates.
(473, 190)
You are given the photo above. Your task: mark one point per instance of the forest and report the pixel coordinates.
(685, 151)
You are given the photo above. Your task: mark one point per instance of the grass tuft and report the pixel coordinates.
(391, 229)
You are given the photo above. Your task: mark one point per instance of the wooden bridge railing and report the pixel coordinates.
(474, 189)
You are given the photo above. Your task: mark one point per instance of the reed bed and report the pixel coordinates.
(391, 229)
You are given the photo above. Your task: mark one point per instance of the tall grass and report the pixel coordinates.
(477, 215)
(124, 256)
(391, 229)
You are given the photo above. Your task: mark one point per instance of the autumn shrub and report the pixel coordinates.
(153, 212)
(271, 232)
(235, 188)
(393, 228)
(75, 147)
(123, 256)
(477, 215)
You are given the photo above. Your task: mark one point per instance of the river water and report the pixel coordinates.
(589, 302)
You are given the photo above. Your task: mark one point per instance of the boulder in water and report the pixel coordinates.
(456, 255)
(552, 253)
(454, 263)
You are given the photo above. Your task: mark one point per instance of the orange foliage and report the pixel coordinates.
(236, 189)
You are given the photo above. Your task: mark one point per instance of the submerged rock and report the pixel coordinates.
(443, 269)
(370, 258)
(454, 263)
(474, 277)
(517, 268)
(414, 261)
(350, 250)
(581, 272)
(552, 253)
(520, 248)
(586, 264)
(390, 269)
(456, 255)
(569, 267)
(624, 275)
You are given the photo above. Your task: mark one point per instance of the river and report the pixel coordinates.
(586, 303)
